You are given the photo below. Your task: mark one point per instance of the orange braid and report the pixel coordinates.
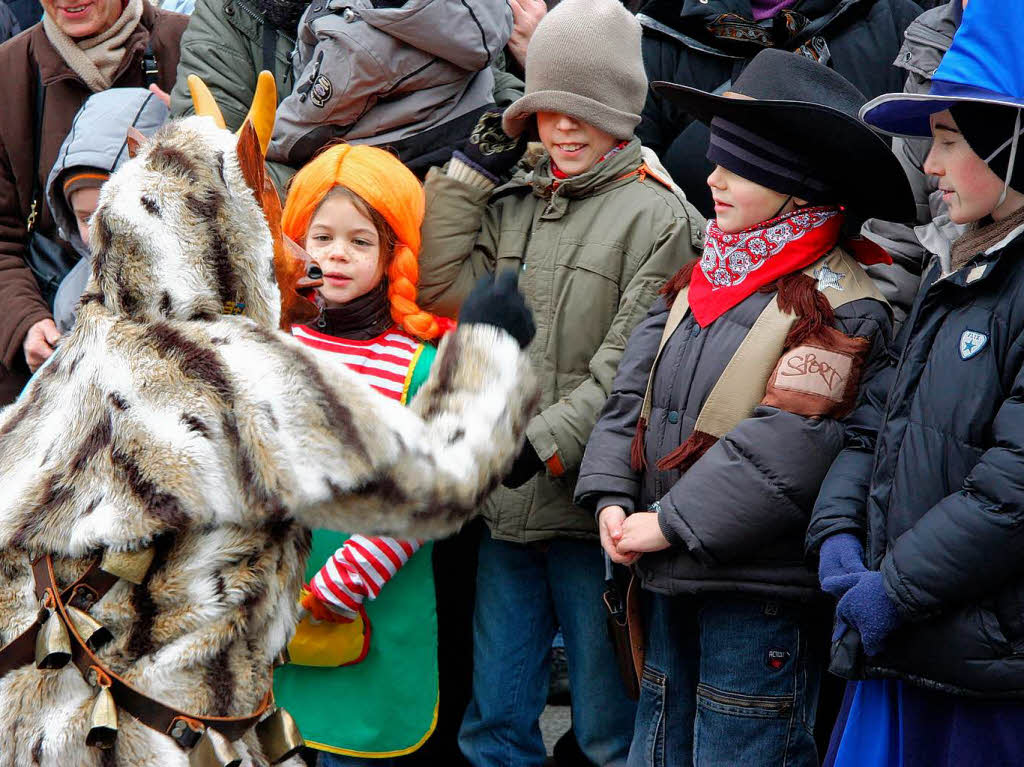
(390, 189)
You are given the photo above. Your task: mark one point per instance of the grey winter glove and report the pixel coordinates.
(489, 150)
(498, 302)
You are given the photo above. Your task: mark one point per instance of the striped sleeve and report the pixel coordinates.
(359, 569)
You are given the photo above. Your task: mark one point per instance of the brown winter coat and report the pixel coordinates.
(65, 94)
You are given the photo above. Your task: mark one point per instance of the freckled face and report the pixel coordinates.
(344, 241)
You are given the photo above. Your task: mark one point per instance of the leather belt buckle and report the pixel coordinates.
(186, 731)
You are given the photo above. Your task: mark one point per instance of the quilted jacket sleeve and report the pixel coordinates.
(759, 482)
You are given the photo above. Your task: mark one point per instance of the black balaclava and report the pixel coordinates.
(988, 128)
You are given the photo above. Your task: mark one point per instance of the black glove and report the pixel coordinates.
(489, 149)
(498, 302)
(524, 468)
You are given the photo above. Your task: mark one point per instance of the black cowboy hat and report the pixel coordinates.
(781, 97)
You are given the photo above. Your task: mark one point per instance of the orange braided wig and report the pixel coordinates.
(391, 189)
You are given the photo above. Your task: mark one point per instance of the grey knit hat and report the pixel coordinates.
(584, 60)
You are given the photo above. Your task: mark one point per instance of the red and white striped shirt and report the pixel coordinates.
(386, 362)
(361, 567)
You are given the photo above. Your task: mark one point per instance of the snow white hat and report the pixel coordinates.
(791, 124)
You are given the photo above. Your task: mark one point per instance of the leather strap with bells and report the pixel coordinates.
(93, 584)
(185, 729)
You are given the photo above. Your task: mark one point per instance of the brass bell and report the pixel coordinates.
(213, 750)
(53, 645)
(103, 723)
(91, 630)
(130, 565)
(279, 736)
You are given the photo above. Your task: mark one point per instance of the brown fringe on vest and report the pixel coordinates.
(637, 459)
(799, 295)
(688, 453)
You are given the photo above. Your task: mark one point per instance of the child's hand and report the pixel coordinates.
(609, 523)
(641, 533)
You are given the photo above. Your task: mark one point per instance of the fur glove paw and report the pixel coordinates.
(868, 608)
(840, 564)
(489, 149)
(498, 302)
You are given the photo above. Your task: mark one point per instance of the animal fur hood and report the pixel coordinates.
(218, 442)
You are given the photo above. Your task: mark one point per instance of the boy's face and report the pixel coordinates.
(83, 204)
(970, 189)
(574, 145)
(740, 203)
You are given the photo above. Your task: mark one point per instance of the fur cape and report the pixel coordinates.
(221, 442)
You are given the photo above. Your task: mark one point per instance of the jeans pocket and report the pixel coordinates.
(738, 729)
(648, 747)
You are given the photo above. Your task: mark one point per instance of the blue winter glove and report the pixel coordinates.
(840, 564)
(868, 609)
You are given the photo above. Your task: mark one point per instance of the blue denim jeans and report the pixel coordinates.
(523, 593)
(727, 681)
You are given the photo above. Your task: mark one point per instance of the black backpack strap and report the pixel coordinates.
(150, 70)
(37, 140)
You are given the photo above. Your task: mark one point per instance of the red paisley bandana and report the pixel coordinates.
(735, 266)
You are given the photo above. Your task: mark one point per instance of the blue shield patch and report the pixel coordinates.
(971, 343)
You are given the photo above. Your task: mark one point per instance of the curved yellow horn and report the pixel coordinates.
(263, 109)
(203, 101)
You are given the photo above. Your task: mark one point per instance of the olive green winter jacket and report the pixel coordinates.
(593, 251)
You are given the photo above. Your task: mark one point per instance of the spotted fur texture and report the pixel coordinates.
(221, 442)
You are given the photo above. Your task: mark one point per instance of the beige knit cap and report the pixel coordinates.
(584, 60)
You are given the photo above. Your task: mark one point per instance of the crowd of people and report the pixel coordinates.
(769, 496)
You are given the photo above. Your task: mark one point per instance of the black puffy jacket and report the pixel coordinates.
(934, 482)
(862, 38)
(738, 516)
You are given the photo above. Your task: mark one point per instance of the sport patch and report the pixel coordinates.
(814, 370)
(971, 343)
(820, 377)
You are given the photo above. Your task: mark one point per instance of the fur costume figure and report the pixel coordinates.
(218, 442)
